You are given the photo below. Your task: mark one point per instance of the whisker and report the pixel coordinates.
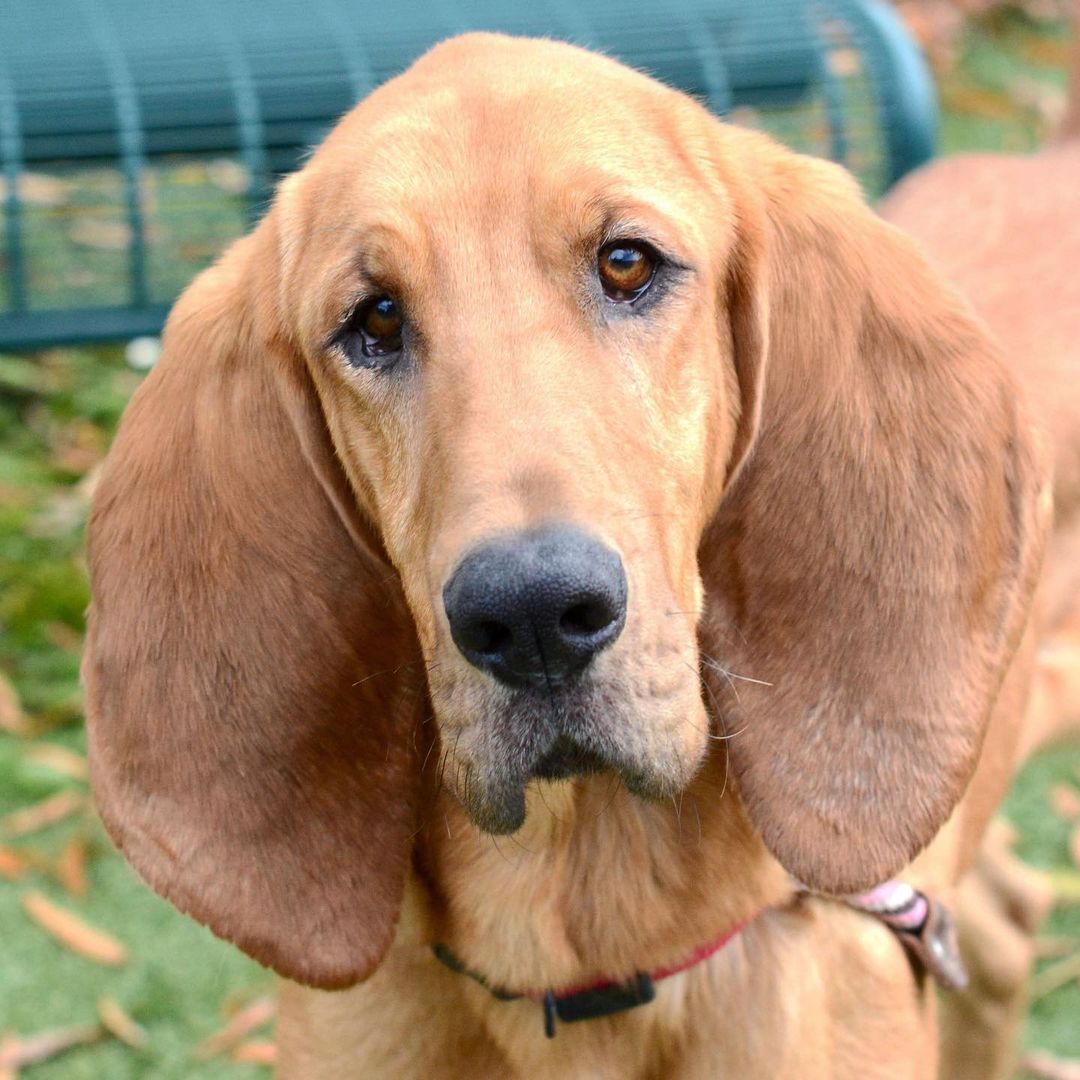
(543, 799)
(613, 785)
(717, 666)
(722, 738)
(502, 854)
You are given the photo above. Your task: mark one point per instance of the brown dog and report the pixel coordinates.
(1007, 230)
(564, 520)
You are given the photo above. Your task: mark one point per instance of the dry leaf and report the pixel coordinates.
(60, 634)
(119, 1023)
(8, 1042)
(1049, 1067)
(252, 1016)
(978, 101)
(101, 234)
(12, 718)
(1055, 976)
(1046, 101)
(17, 1051)
(229, 175)
(1066, 886)
(844, 63)
(59, 758)
(13, 863)
(47, 812)
(41, 189)
(1064, 801)
(71, 866)
(71, 931)
(260, 1052)
(1054, 946)
(1047, 52)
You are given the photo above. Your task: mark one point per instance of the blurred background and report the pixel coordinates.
(134, 143)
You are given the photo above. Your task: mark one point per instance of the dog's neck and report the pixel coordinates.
(596, 884)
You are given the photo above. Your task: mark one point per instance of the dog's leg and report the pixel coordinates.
(1000, 904)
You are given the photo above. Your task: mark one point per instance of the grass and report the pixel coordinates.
(56, 415)
(57, 412)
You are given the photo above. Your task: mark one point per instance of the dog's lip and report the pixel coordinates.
(565, 757)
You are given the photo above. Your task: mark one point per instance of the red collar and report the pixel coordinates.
(590, 1000)
(922, 924)
(700, 954)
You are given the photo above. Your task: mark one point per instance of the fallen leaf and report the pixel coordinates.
(17, 1051)
(1055, 976)
(229, 175)
(1055, 946)
(13, 863)
(63, 636)
(8, 1042)
(40, 189)
(1066, 886)
(72, 932)
(1049, 1067)
(1046, 101)
(101, 234)
(844, 63)
(71, 866)
(120, 1024)
(59, 758)
(1047, 52)
(12, 718)
(978, 101)
(252, 1016)
(47, 812)
(257, 1052)
(1064, 801)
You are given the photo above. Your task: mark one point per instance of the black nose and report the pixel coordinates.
(533, 608)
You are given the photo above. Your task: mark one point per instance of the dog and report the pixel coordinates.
(1005, 229)
(566, 554)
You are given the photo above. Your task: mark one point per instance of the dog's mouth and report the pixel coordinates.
(495, 796)
(566, 758)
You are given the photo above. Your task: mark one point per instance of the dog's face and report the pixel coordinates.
(520, 347)
(541, 372)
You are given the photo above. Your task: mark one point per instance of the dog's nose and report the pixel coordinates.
(533, 608)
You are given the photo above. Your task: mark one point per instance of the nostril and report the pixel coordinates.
(585, 619)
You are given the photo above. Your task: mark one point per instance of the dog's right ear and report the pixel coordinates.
(252, 676)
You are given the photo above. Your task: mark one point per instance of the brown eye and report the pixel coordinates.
(373, 336)
(626, 270)
(379, 322)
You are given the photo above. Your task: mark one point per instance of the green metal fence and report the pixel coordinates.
(137, 138)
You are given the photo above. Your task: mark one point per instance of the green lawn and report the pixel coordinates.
(57, 411)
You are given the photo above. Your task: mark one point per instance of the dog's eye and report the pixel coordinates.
(626, 270)
(380, 326)
(372, 336)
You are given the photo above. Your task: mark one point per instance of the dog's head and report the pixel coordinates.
(546, 408)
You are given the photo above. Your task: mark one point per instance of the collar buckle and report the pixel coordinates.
(597, 1001)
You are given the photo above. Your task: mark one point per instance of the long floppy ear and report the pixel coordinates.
(869, 570)
(251, 732)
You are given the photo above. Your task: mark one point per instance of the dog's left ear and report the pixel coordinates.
(870, 566)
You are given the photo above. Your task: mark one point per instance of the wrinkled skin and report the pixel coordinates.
(564, 407)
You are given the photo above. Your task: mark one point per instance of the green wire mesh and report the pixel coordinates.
(137, 139)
